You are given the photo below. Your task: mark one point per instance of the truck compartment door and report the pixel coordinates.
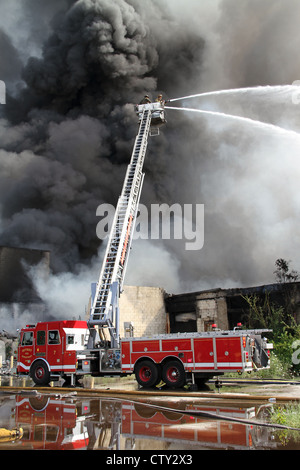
(229, 353)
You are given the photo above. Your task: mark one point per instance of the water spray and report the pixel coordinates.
(263, 125)
(258, 89)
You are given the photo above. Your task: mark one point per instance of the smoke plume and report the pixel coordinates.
(73, 71)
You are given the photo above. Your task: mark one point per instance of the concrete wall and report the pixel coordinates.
(145, 308)
(207, 307)
(211, 310)
(2, 352)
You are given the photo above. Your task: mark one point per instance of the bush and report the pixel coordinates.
(277, 370)
(283, 348)
(288, 415)
(264, 314)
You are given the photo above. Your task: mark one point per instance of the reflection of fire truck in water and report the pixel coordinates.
(51, 423)
(54, 423)
(71, 349)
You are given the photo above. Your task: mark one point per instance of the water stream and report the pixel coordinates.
(282, 90)
(262, 125)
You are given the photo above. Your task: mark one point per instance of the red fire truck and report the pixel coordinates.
(50, 350)
(70, 349)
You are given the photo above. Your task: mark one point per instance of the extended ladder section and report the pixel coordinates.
(104, 311)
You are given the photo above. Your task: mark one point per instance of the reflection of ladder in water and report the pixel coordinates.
(104, 311)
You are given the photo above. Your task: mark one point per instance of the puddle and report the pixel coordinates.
(57, 422)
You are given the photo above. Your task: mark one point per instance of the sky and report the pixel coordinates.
(73, 71)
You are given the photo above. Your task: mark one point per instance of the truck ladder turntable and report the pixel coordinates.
(105, 306)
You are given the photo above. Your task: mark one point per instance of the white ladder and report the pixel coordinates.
(104, 309)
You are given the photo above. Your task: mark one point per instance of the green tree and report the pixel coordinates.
(287, 277)
(282, 272)
(264, 314)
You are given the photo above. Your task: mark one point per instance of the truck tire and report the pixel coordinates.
(39, 373)
(146, 373)
(173, 374)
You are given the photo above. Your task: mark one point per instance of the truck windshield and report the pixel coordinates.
(27, 339)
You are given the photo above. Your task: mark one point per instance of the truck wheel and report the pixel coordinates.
(146, 374)
(173, 374)
(39, 373)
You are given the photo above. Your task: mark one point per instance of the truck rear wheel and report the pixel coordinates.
(173, 374)
(147, 374)
(39, 373)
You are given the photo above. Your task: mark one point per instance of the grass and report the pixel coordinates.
(277, 370)
(288, 415)
(88, 380)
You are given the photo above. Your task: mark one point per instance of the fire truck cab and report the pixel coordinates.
(48, 350)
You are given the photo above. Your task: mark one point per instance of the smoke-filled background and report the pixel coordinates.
(74, 69)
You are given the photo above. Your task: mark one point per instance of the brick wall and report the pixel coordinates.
(211, 309)
(145, 308)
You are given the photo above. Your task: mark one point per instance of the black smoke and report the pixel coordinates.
(68, 127)
(67, 134)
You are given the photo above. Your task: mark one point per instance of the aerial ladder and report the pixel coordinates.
(104, 312)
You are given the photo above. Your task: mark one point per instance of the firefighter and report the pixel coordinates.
(145, 100)
(159, 99)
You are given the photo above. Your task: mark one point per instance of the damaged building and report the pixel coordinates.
(150, 310)
(198, 311)
(17, 292)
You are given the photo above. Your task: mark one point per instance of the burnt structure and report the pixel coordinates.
(198, 311)
(15, 282)
(19, 299)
